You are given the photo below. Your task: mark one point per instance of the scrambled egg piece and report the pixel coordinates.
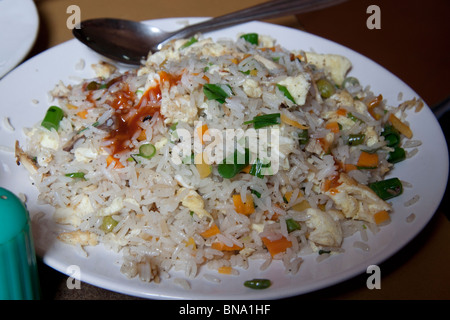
(355, 200)
(251, 88)
(335, 65)
(326, 228)
(175, 109)
(116, 205)
(178, 109)
(84, 238)
(104, 69)
(298, 87)
(194, 202)
(72, 214)
(85, 155)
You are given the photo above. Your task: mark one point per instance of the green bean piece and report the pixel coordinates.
(292, 225)
(258, 283)
(325, 87)
(356, 139)
(252, 38)
(397, 155)
(52, 118)
(108, 224)
(387, 189)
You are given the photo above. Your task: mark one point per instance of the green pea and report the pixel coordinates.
(325, 87)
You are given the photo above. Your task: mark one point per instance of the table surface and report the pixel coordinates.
(412, 43)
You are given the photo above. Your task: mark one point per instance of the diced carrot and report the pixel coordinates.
(381, 216)
(247, 169)
(191, 242)
(203, 168)
(368, 160)
(201, 131)
(276, 246)
(331, 183)
(373, 104)
(142, 136)
(222, 247)
(235, 61)
(299, 206)
(349, 167)
(244, 208)
(284, 118)
(82, 114)
(71, 106)
(400, 126)
(333, 126)
(211, 231)
(225, 270)
(341, 112)
(110, 159)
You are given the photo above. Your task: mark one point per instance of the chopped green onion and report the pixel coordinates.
(256, 193)
(52, 118)
(251, 38)
(76, 175)
(355, 139)
(323, 251)
(286, 92)
(95, 124)
(218, 92)
(303, 136)
(265, 120)
(147, 150)
(387, 189)
(188, 43)
(258, 167)
(258, 283)
(108, 224)
(292, 225)
(228, 170)
(397, 155)
(325, 87)
(353, 118)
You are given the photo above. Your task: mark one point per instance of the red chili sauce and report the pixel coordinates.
(129, 115)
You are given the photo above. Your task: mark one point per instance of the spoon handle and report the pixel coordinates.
(269, 9)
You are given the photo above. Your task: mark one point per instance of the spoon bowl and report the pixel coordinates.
(129, 42)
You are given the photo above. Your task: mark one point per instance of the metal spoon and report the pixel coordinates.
(130, 42)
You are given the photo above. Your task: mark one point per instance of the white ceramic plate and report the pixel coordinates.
(19, 22)
(24, 102)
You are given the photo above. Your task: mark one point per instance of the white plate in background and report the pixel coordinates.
(19, 24)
